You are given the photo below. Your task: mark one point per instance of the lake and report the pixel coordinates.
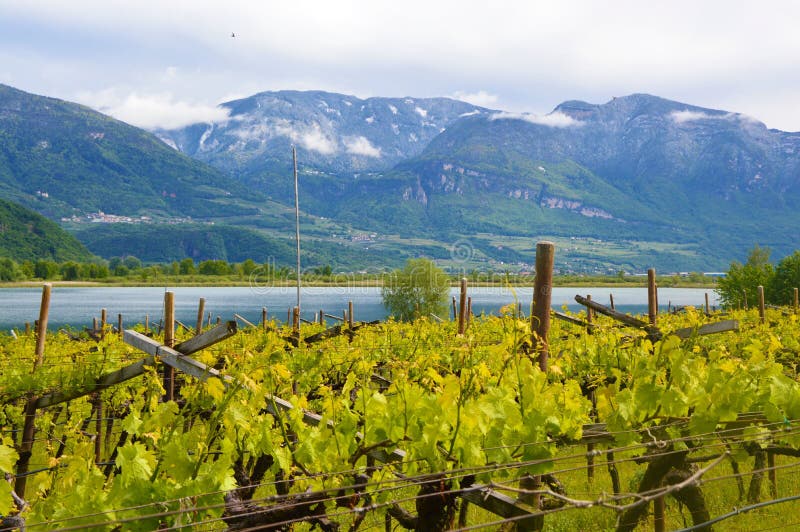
(75, 307)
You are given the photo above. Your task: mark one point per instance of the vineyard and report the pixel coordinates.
(688, 422)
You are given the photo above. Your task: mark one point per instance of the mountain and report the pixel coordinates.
(637, 181)
(27, 235)
(337, 136)
(63, 159)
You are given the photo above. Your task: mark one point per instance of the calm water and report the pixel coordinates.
(75, 307)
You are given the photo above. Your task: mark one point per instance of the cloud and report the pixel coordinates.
(680, 117)
(556, 119)
(361, 146)
(480, 98)
(312, 138)
(152, 111)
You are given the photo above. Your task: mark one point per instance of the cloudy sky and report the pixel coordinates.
(170, 62)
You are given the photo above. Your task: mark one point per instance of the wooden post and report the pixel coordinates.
(201, 311)
(169, 341)
(652, 308)
(469, 310)
(708, 308)
(542, 293)
(146, 323)
(462, 307)
(659, 521)
(321, 317)
(761, 304)
(41, 326)
(119, 324)
(296, 320)
(350, 314)
(219, 320)
(209, 319)
(264, 319)
(455, 310)
(28, 433)
(611, 300)
(94, 324)
(103, 322)
(589, 314)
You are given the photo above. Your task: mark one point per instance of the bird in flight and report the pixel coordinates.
(233, 34)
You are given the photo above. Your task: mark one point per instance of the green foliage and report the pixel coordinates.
(214, 267)
(187, 267)
(419, 289)
(740, 285)
(786, 279)
(9, 270)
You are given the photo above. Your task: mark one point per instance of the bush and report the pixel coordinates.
(785, 280)
(419, 289)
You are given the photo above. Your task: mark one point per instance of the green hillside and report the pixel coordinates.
(64, 159)
(26, 235)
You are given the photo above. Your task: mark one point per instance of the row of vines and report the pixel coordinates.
(415, 426)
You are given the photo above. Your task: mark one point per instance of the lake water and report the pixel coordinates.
(76, 307)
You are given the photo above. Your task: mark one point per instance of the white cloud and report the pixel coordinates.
(480, 98)
(151, 111)
(421, 112)
(679, 117)
(557, 119)
(471, 113)
(361, 146)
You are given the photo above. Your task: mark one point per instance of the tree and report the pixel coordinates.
(419, 289)
(785, 280)
(187, 267)
(757, 271)
(214, 267)
(45, 269)
(9, 270)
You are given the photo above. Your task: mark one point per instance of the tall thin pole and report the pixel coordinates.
(297, 222)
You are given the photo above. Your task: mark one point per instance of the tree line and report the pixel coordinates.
(739, 288)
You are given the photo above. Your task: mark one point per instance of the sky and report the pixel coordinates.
(169, 63)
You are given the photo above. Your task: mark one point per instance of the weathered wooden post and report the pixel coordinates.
(659, 519)
(147, 323)
(542, 293)
(296, 320)
(589, 314)
(462, 307)
(652, 308)
(321, 317)
(98, 427)
(469, 310)
(455, 310)
(94, 325)
(611, 300)
(169, 341)
(761, 304)
(708, 308)
(41, 325)
(264, 319)
(201, 311)
(29, 427)
(350, 321)
(119, 325)
(103, 322)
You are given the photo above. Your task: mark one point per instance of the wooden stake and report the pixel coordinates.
(297, 222)
(455, 309)
(28, 433)
(773, 479)
(169, 341)
(707, 306)
(201, 311)
(296, 320)
(321, 317)
(761, 304)
(589, 313)
(119, 324)
(94, 324)
(542, 293)
(350, 314)
(462, 307)
(264, 318)
(469, 310)
(659, 521)
(103, 322)
(611, 300)
(652, 308)
(209, 319)
(28, 326)
(41, 326)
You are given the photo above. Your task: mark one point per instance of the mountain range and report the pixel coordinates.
(635, 182)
